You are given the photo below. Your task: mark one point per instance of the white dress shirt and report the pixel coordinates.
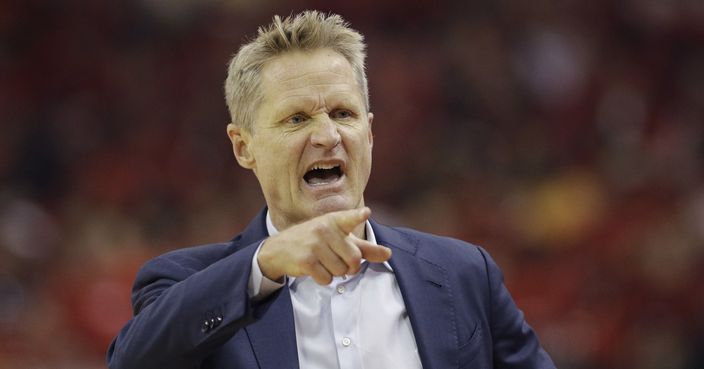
(355, 322)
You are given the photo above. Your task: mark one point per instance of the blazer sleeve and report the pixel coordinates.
(183, 311)
(515, 344)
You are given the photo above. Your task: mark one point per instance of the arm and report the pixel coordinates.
(515, 345)
(172, 298)
(175, 294)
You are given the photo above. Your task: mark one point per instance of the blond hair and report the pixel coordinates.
(306, 31)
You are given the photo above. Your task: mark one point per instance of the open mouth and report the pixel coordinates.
(323, 174)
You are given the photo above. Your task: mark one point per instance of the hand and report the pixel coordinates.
(322, 247)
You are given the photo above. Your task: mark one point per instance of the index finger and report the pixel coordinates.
(348, 220)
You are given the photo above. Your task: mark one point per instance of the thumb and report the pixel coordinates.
(348, 220)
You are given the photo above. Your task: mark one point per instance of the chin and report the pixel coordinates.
(333, 203)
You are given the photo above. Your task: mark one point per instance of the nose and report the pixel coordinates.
(325, 134)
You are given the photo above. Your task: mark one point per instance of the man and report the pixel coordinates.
(312, 282)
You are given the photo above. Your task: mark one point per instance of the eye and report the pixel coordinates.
(341, 114)
(296, 119)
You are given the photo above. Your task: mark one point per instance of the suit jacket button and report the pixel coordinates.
(207, 325)
(217, 321)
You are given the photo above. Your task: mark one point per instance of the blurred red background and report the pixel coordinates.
(566, 137)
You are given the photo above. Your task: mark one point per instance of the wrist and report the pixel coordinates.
(266, 262)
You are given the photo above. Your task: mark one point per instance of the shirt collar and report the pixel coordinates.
(369, 232)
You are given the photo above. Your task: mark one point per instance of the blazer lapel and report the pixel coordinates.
(426, 294)
(273, 334)
(428, 299)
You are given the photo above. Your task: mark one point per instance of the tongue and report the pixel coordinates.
(322, 176)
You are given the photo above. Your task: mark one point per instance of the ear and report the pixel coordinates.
(241, 143)
(370, 118)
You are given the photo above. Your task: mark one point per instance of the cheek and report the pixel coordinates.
(363, 155)
(284, 158)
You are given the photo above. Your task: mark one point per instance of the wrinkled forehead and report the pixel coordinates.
(303, 71)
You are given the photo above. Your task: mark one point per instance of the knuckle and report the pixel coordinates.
(320, 229)
(309, 262)
(331, 222)
(317, 248)
(355, 259)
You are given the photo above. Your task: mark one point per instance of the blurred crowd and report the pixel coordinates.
(566, 137)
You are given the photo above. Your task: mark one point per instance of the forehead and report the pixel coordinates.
(300, 74)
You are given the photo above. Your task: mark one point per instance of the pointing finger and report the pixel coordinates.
(348, 220)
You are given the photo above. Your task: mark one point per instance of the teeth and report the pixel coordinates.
(323, 166)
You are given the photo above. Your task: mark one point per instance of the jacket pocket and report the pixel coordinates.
(469, 350)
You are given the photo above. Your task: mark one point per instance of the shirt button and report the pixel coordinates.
(341, 289)
(346, 341)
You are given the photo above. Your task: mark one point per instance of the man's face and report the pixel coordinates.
(311, 144)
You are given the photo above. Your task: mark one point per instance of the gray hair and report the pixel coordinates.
(306, 31)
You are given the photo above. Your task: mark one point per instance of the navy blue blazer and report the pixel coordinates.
(191, 309)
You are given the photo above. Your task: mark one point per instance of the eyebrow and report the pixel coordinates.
(300, 103)
(293, 105)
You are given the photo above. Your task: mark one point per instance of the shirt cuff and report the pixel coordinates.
(260, 286)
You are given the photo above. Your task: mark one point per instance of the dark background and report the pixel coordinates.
(566, 137)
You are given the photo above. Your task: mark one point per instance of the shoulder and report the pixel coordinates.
(448, 253)
(414, 235)
(180, 263)
(466, 266)
(195, 257)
